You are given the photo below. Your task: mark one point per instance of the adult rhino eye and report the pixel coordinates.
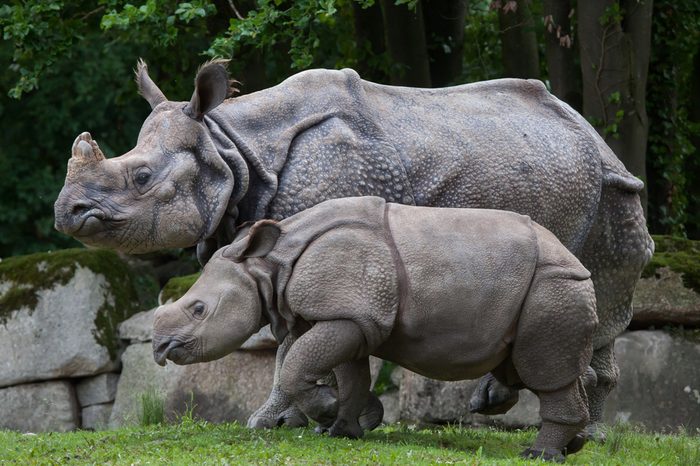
(142, 177)
(198, 309)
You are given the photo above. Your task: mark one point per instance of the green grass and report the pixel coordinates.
(152, 408)
(197, 442)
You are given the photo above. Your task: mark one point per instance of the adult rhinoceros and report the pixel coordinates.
(202, 167)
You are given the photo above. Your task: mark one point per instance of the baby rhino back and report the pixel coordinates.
(466, 275)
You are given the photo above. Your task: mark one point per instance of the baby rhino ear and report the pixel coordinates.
(260, 240)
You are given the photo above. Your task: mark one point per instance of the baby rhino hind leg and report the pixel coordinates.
(551, 352)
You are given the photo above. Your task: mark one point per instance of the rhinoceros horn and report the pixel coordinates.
(85, 149)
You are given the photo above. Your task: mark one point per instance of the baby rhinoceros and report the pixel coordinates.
(448, 293)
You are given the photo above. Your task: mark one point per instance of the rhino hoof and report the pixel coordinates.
(492, 397)
(373, 414)
(594, 432)
(546, 454)
(292, 417)
(343, 428)
(575, 444)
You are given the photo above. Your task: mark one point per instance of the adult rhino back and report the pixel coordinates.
(503, 144)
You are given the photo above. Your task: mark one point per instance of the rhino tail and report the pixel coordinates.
(626, 183)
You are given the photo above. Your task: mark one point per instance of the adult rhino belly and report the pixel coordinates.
(493, 145)
(467, 272)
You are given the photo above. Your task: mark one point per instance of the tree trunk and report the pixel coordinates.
(369, 37)
(692, 164)
(518, 41)
(444, 29)
(564, 76)
(404, 34)
(614, 65)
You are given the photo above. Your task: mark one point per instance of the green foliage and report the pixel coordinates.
(482, 51)
(676, 38)
(311, 32)
(680, 255)
(384, 383)
(201, 443)
(160, 21)
(177, 287)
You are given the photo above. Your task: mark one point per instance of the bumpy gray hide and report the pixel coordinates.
(504, 144)
(448, 293)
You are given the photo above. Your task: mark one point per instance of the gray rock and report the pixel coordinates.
(39, 407)
(227, 389)
(262, 340)
(664, 299)
(56, 338)
(375, 366)
(96, 417)
(427, 401)
(659, 381)
(138, 328)
(97, 390)
(390, 401)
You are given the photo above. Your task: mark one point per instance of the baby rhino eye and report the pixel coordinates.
(198, 309)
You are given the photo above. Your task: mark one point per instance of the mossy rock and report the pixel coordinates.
(678, 254)
(177, 287)
(23, 277)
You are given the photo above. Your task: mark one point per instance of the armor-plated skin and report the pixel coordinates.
(212, 164)
(449, 293)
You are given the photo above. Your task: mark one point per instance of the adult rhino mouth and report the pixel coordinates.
(81, 219)
(91, 223)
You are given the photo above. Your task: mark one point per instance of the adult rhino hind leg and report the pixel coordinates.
(616, 250)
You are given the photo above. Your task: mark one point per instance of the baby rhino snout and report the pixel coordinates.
(164, 340)
(161, 349)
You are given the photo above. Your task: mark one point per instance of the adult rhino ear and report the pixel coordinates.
(147, 88)
(211, 87)
(260, 240)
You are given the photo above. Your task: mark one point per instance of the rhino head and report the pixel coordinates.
(228, 303)
(171, 190)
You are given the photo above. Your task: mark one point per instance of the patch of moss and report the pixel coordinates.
(384, 383)
(177, 287)
(30, 274)
(680, 255)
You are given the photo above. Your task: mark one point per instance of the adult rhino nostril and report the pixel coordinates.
(80, 209)
(81, 218)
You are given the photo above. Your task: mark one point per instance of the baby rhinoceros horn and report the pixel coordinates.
(85, 149)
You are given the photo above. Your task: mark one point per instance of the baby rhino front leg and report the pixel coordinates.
(330, 345)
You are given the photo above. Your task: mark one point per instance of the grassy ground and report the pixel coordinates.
(195, 443)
